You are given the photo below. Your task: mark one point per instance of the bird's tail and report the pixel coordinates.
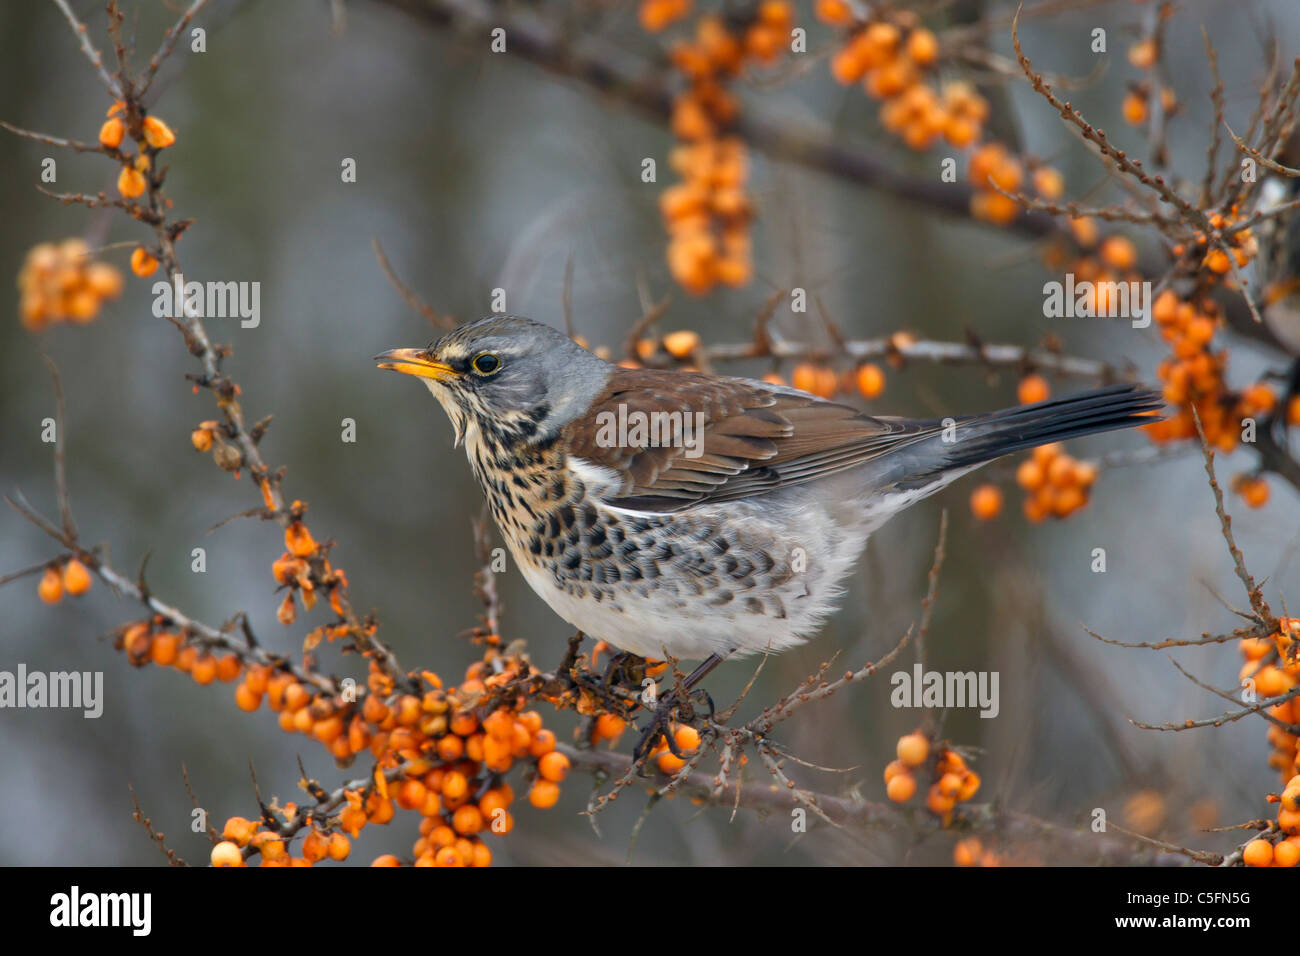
(975, 439)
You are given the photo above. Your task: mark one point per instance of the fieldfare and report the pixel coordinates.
(694, 515)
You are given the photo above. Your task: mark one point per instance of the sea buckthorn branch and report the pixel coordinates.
(1272, 673)
(88, 48)
(193, 631)
(234, 443)
(638, 83)
(852, 811)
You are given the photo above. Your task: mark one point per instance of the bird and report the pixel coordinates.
(721, 517)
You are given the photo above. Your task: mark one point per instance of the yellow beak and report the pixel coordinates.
(415, 362)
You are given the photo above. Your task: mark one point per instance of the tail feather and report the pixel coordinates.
(982, 438)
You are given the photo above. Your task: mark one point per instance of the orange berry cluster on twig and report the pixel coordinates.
(686, 738)
(72, 578)
(953, 781)
(1273, 668)
(1284, 849)
(707, 215)
(149, 132)
(62, 283)
(867, 379)
(1193, 377)
(1056, 484)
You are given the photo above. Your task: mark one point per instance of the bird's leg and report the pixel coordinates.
(661, 718)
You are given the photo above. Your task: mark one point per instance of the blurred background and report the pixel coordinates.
(478, 171)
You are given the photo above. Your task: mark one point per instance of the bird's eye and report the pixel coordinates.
(485, 363)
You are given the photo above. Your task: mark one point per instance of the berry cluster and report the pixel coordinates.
(687, 739)
(150, 132)
(1272, 664)
(62, 283)
(433, 753)
(72, 578)
(1056, 485)
(1285, 850)
(953, 782)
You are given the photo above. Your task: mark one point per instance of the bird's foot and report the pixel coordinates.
(681, 706)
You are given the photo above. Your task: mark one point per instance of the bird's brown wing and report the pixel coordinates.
(754, 438)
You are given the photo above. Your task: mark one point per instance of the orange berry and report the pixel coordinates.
(922, 47)
(542, 744)
(686, 738)
(970, 786)
(204, 669)
(157, 133)
(1286, 853)
(555, 765)
(455, 786)
(245, 698)
(339, 848)
(229, 667)
(960, 131)
(901, 788)
(609, 726)
(226, 853)
(682, 343)
(1049, 183)
(50, 590)
(870, 380)
(966, 852)
(1143, 54)
(1216, 260)
(1033, 388)
(669, 763)
(848, 65)
(316, 846)
(893, 769)
(986, 502)
(1118, 252)
(1254, 491)
(386, 860)
(447, 856)
(143, 264)
(110, 134)
(298, 540)
(104, 281)
(451, 748)
(544, 794)
(239, 830)
(131, 182)
(463, 724)
(164, 649)
(1257, 853)
(1135, 108)
(937, 802)
(836, 13)
(913, 749)
(467, 820)
(1030, 475)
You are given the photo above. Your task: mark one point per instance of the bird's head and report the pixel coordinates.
(510, 379)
